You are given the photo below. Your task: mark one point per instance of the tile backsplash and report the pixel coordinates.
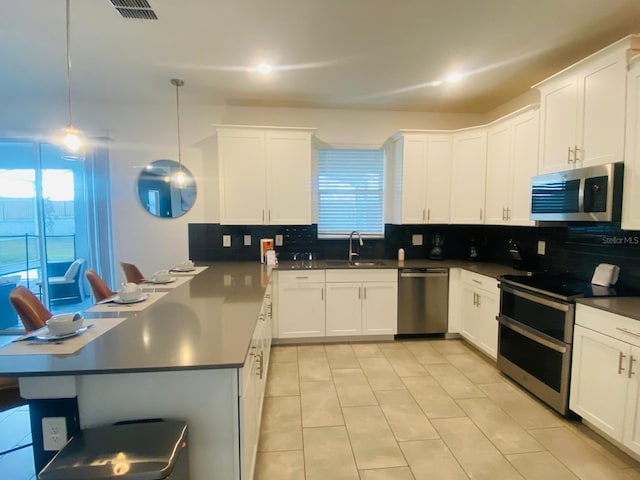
(575, 249)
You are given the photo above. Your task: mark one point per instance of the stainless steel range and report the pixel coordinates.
(535, 333)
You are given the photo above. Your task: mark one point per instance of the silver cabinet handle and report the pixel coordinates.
(424, 216)
(479, 297)
(322, 293)
(504, 215)
(481, 214)
(428, 214)
(269, 215)
(365, 293)
(263, 216)
(575, 154)
(569, 155)
(508, 214)
(476, 281)
(624, 330)
(302, 278)
(260, 360)
(621, 357)
(359, 293)
(631, 372)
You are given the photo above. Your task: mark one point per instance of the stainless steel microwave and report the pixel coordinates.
(591, 194)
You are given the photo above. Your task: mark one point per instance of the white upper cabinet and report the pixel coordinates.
(499, 163)
(423, 170)
(512, 159)
(631, 192)
(264, 175)
(583, 111)
(468, 172)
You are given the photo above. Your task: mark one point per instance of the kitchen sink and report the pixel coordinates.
(357, 263)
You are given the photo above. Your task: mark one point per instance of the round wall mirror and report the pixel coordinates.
(163, 191)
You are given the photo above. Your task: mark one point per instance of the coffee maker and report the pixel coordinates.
(436, 252)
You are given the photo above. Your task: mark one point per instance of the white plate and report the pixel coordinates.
(50, 337)
(182, 269)
(142, 298)
(161, 282)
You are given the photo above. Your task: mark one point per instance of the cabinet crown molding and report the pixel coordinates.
(626, 44)
(220, 126)
(408, 131)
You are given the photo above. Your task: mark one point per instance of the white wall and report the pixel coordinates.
(143, 133)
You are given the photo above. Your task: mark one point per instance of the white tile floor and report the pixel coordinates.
(15, 430)
(428, 409)
(413, 410)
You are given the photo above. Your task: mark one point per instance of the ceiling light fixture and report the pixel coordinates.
(264, 68)
(454, 77)
(72, 138)
(180, 178)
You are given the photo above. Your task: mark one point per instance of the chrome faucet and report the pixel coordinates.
(351, 252)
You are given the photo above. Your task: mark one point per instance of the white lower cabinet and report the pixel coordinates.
(362, 302)
(479, 306)
(252, 383)
(344, 309)
(319, 303)
(604, 378)
(368, 308)
(380, 308)
(301, 304)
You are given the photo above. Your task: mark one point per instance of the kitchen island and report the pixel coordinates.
(183, 357)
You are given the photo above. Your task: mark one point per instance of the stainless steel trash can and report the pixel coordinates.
(144, 449)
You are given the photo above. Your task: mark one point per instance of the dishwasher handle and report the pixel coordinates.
(425, 274)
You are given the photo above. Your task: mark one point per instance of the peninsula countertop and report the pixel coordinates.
(205, 323)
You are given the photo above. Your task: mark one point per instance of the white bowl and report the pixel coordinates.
(129, 295)
(64, 324)
(162, 276)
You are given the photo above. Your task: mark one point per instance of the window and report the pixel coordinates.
(350, 192)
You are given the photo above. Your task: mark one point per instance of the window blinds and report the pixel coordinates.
(350, 192)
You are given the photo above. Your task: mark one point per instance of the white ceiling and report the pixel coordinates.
(372, 54)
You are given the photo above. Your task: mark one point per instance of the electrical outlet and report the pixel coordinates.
(226, 240)
(54, 433)
(279, 240)
(542, 247)
(247, 240)
(416, 239)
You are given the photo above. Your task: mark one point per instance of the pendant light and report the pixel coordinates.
(72, 137)
(180, 178)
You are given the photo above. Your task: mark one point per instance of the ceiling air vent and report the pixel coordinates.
(137, 9)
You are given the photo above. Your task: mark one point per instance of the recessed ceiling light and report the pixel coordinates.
(264, 68)
(454, 77)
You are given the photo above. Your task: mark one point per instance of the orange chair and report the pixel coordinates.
(132, 273)
(98, 287)
(30, 310)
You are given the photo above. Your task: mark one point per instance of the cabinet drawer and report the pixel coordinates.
(610, 324)
(300, 276)
(363, 275)
(477, 280)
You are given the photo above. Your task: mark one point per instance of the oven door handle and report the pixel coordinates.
(536, 298)
(531, 334)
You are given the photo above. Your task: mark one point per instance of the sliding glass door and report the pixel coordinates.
(46, 234)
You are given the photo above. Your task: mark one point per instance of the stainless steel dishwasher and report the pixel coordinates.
(423, 300)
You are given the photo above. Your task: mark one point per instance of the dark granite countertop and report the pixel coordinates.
(625, 306)
(203, 324)
(488, 269)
